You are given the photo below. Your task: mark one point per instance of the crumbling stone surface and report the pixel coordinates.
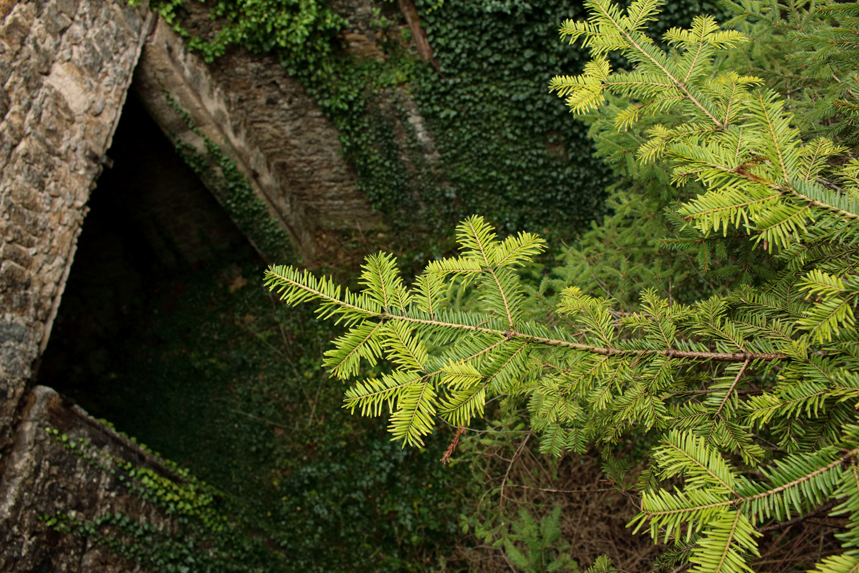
(44, 478)
(168, 77)
(266, 121)
(65, 67)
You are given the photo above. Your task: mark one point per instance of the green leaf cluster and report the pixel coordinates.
(207, 529)
(544, 552)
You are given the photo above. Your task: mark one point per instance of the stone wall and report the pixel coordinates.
(44, 477)
(66, 66)
(264, 120)
(168, 79)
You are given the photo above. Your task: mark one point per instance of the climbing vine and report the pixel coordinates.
(233, 191)
(205, 533)
(506, 148)
(511, 150)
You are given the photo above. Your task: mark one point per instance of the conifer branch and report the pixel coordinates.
(612, 357)
(677, 83)
(491, 269)
(604, 351)
(799, 481)
(728, 541)
(741, 501)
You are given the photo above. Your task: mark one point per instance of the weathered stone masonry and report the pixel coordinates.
(43, 478)
(66, 66)
(262, 118)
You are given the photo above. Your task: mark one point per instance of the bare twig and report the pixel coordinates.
(315, 401)
(548, 490)
(510, 465)
(784, 524)
(731, 389)
(257, 418)
(445, 459)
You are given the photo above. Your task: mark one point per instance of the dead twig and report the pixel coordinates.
(784, 524)
(510, 465)
(549, 490)
(445, 459)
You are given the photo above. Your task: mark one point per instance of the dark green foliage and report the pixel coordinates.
(543, 553)
(510, 150)
(230, 385)
(806, 48)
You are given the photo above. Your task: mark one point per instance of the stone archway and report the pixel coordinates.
(67, 67)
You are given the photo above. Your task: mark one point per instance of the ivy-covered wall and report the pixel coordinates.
(476, 133)
(510, 150)
(82, 497)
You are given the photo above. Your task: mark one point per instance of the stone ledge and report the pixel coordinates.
(168, 69)
(42, 478)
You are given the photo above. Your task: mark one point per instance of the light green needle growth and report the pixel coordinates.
(751, 390)
(388, 319)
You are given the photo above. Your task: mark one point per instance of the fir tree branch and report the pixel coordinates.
(344, 360)
(741, 501)
(790, 190)
(513, 334)
(491, 269)
(784, 190)
(774, 138)
(728, 543)
(606, 351)
(701, 467)
(677, 83)
(799, 481)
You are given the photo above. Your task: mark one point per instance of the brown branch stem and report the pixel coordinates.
(785, 524)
